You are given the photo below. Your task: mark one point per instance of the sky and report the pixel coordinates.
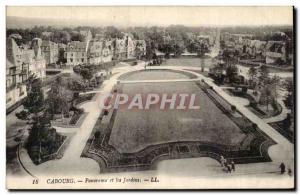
(161, 16)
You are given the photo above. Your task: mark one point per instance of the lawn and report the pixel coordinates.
(136, 140)
(283, 130)
(134, 130)
(185, 61)
(152, 74)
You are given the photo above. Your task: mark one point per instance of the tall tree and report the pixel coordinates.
(231, 73)
(266, 96)
(59, 98)
(41, 136)
(275, 80)
(252, 72)
(263, 74)
(112, 32)
(86, 74)
(289, 98)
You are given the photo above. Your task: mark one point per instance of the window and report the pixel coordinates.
(14, 79)
(71, 60)
(82, 59)
(24, 77)
(12, 71)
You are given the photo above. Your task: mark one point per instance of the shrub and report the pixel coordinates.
(233, 108)
(97, 134)
(253, 104)
(75, 118)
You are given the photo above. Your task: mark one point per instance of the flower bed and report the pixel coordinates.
(42, 152)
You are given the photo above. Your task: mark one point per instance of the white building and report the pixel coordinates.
(76, 53)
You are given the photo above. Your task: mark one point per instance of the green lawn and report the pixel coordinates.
(134, 130)
(194, 62)
(155, 75)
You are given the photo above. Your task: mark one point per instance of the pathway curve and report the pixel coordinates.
(73, 164)
(284, 111)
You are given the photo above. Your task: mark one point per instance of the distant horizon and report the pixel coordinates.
(61, 25)
(151, 16)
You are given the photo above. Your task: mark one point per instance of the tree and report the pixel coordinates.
(227, 55)
(86, 74)
(178, 47)
(254, 126)
(202, 65)
(233, 108)
(97, 134)
(231, 73)
(150, 50)
(275, 80)
(35, 102)
(197, 46)
(289, 98)
(42, 137)
(264, 74)
(77, 37)
(112, 32)
(252, 72)
(139, 50)
(266, 95)
(59, 98)
(61, 37)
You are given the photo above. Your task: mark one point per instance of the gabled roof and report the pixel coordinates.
(9, 64)
(12, 49)
(77, 45)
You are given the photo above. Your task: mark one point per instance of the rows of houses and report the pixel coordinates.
(23, 60)
(208, 39)
(97, 51)
(246, 47)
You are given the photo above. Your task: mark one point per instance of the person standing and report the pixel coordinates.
(228, 168)
(290, 171)
(232, 166)
(282, 168)
(222, 161)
